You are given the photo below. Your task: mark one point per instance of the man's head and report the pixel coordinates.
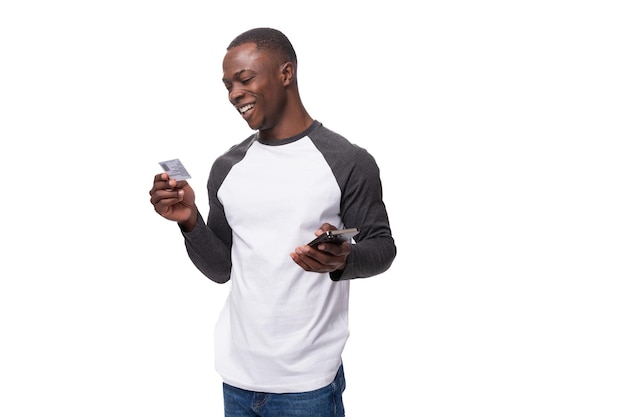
(260, 75)
(268, 39)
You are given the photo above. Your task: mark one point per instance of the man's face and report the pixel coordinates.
(254, 84)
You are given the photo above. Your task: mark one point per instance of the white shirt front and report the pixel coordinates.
(282, 329)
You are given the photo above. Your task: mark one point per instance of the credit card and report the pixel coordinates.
(175, 169)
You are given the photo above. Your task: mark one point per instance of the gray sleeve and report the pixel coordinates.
(362, 206)
(208, 252)
(209, 244)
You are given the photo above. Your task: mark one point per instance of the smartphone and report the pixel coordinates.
(335, 236)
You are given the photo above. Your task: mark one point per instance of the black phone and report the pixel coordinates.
(335, 236)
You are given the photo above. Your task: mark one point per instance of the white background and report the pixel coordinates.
(498, 128)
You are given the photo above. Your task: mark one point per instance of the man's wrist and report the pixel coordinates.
(189, 224)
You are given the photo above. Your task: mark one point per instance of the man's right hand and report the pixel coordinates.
(174, 200)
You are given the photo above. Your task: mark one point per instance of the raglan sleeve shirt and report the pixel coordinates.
(283, 329)
(362, 206)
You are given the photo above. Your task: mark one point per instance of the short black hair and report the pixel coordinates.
(268, 39)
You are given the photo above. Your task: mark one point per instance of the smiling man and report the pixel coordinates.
(282, 331)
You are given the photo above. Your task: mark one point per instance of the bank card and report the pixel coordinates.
(175, 169)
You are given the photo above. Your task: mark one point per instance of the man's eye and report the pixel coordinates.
(246, 80)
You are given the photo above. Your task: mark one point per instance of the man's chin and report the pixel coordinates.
(254, 126)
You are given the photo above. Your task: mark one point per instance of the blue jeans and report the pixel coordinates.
(323, 402)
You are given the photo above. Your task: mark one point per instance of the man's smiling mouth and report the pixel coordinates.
(245, 108)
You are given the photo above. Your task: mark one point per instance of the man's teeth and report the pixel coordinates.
(244, 109)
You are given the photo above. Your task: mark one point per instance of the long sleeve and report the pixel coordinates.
(209, 253)
(362, 206)
(209, 244)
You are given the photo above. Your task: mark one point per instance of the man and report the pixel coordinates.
(280, 336)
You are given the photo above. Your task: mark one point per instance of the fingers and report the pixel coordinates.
(325, 227)
(166, 192)
(335, 248)
(326, 258)
(308, 263)
(161, 176)
(163, 199)
(163, 182)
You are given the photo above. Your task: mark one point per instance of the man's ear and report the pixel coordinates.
(288, 73)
